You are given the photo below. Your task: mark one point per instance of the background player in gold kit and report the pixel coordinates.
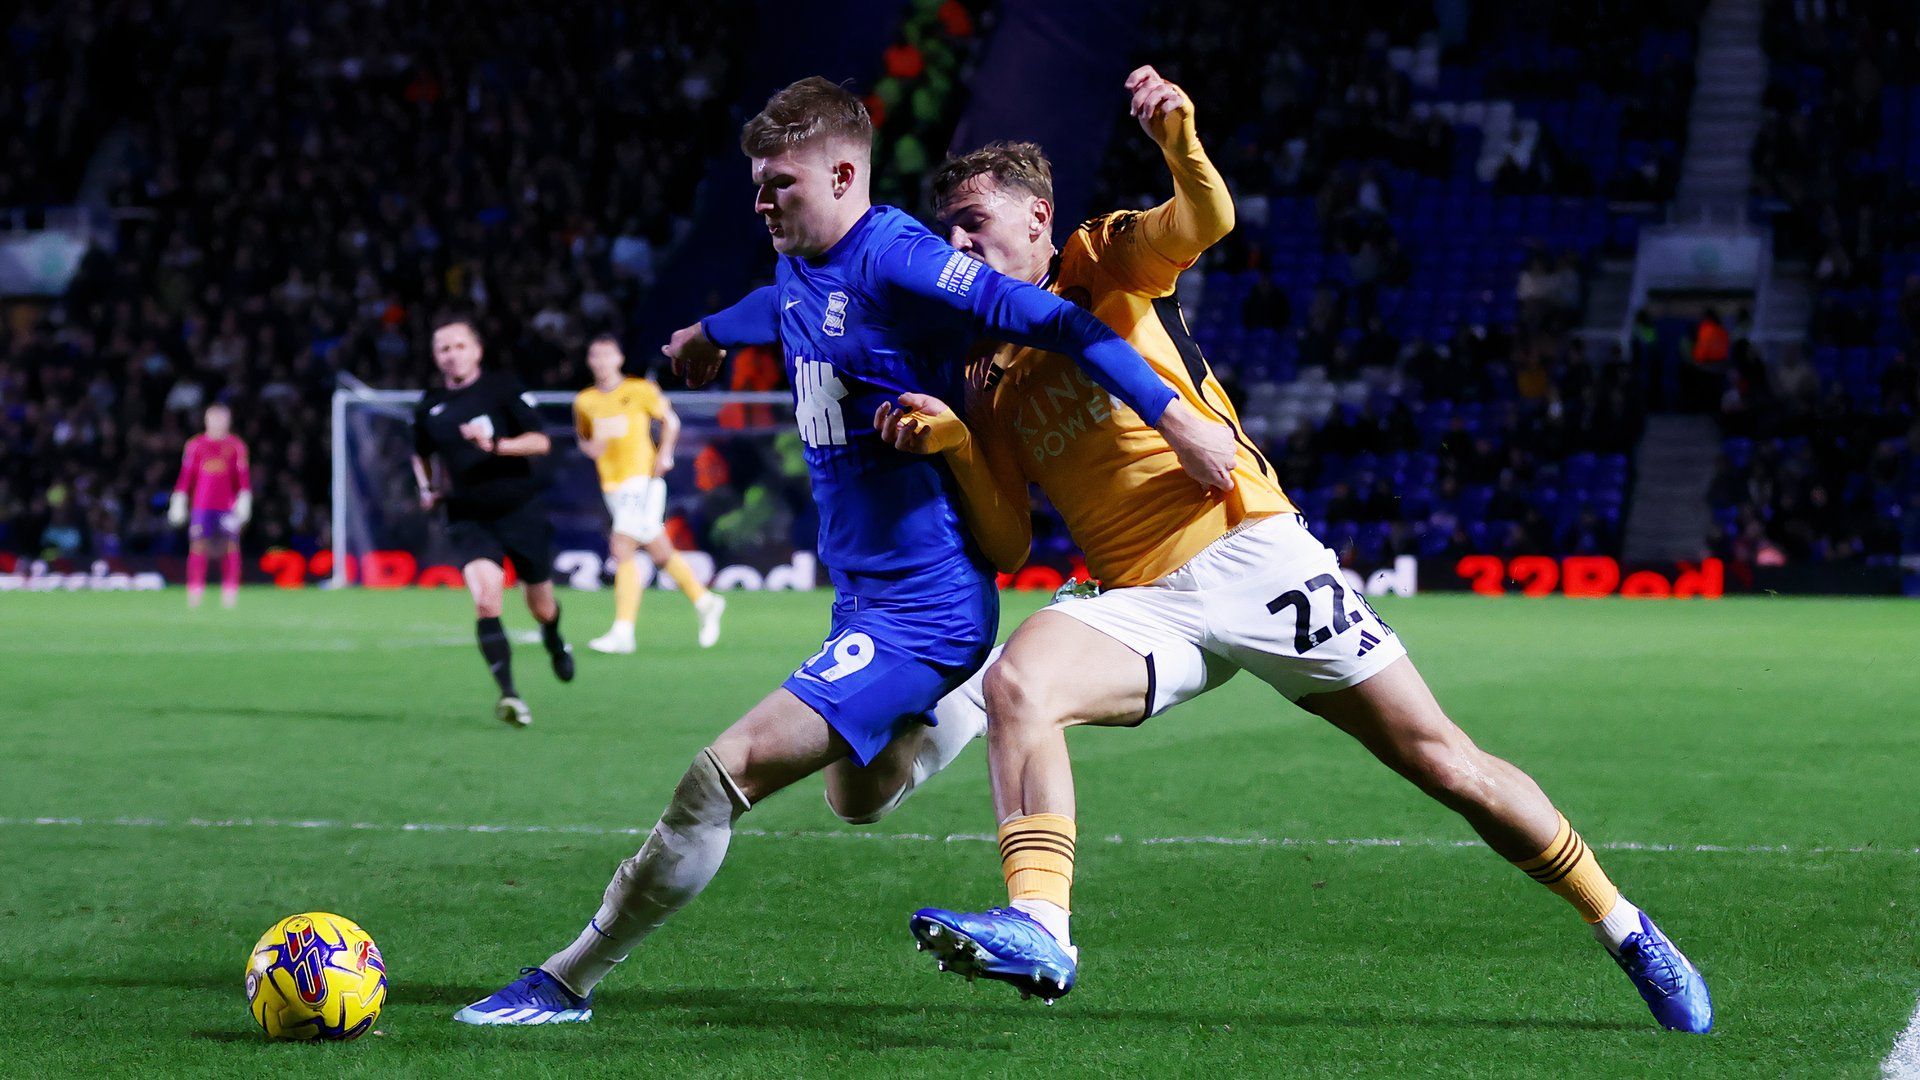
(614, 418)
(1198, 583)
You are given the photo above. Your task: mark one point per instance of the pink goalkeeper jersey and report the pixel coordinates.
(214, 472)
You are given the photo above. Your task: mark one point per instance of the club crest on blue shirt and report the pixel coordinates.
(835, 324)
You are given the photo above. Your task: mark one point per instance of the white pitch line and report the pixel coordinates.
(922, 838)
(1903, 1061)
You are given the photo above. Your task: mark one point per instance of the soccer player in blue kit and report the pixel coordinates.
(867, 304)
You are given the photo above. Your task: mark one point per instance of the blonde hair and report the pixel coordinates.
(809, 109)
(1019, 164)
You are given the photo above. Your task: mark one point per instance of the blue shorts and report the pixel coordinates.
(887, 660)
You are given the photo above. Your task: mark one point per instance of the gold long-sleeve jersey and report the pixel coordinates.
(1131, 508)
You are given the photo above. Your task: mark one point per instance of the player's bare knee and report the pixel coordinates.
(1448, 770)
(1017, 704)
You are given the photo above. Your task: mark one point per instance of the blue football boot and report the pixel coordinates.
(534, 998)
(1672, 987)
(1004, 943)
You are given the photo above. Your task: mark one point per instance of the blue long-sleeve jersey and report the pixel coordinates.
(892, 309)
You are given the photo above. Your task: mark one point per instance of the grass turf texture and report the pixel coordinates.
(1742, 722)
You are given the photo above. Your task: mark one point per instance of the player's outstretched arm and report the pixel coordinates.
(993, 493)
(1029, 315)
(697, 351)
(1201, 210)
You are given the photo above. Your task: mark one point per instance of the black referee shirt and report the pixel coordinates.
(480, 484)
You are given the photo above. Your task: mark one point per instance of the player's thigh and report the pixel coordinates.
(621, 546)
(1279, 606)
(1058, 670)
(1130, 653)
(779, 741)
(659, 549)
(486, 582)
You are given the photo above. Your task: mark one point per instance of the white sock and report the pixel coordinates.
(959, 718)
(1619, 923)
(680, 857)
(1050, 915)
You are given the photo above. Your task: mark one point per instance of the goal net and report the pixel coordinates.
(737, 499)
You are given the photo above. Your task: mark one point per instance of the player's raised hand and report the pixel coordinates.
(919, 424)
(695, 357)
(1206, 449)
(1161, 107)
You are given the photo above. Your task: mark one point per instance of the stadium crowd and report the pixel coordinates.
(1822, 447)
(306, 187)
(303, 189)
(1392, 313)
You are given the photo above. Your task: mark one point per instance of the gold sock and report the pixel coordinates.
(1570, 870)
(1036, 855)
(626, 591)
(682, 575)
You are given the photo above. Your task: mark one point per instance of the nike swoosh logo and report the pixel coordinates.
(436, 410)
(789, 306)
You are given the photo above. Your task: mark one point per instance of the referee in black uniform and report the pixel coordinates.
(481, 430)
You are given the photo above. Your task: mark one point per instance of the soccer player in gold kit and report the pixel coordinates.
(614, 419)
(1196, 584)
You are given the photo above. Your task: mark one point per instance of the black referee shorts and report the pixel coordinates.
(522, 535)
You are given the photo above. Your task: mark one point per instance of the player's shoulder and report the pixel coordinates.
(892, 231)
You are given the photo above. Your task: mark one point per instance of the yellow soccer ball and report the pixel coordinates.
(316, 976)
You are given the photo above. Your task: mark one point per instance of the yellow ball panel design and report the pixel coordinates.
(316, 975)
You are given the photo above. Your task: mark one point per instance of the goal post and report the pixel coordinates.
(734, 490)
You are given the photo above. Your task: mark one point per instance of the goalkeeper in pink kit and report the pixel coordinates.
(216, 484)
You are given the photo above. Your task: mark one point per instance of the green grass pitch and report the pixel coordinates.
(1779, 732)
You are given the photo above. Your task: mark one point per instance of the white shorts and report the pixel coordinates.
(639, 508)
(1270, 599)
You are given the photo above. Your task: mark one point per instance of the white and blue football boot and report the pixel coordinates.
(1004, 944)
(534, 998)
(1671, 986)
